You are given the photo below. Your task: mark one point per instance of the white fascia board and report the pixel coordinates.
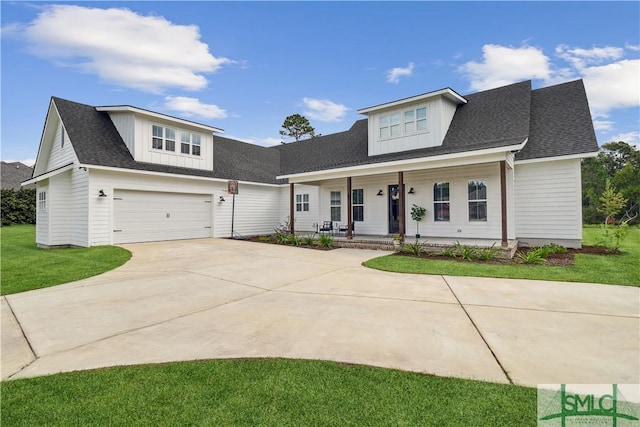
(130, 109)
(467, 157)
(48, 174)
(446, 92)
(551, 159)
(172, 175)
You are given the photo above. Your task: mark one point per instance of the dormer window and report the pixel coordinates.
(163, 138)
(190, 143)
(413, 121)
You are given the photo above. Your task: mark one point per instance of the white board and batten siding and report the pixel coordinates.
(440, 112)
(136, 131)
(548, 202)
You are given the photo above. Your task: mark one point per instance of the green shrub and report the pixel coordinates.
(264, 239)
(449, 251)
(294, 239)
(18, 206)
(309, 240)
(282, 238)
(413, 248)
(613, 236)
(487, 254)
(465, 252)
(325, 240)
(534, 256)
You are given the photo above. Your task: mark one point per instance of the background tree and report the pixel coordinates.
(297, 127)
(618, 162)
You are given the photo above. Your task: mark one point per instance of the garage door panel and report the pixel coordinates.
(144, 216)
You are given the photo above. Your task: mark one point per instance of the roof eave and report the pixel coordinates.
(446, 93)
(141, 111)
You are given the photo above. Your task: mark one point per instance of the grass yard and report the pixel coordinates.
(610, 269)
(25, 267)
(274, 392)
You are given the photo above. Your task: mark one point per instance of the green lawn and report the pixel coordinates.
(611, 269)
(272, 392)
(25, 267)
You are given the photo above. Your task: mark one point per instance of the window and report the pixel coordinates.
(441, 201)
(357, 204)
(163, 138)
(390, 125)
(190, 143)
(302, 202)
(335, 206)
(413, 121)
(42, 200)
(477, 200)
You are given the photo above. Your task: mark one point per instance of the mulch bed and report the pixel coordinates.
(564, 259)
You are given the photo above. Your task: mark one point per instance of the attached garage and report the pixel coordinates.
(147, 216)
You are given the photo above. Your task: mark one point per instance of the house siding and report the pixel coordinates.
(548, 202)
(257, 207)
(60, 156)
(144, 153)
(59, 201)
(440, 112)
(79, 207)
(42, 216)
(126, 126)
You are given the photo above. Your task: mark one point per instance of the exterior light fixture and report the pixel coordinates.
(101, 194)
(222, 198)
(411, 191)
(380, 193)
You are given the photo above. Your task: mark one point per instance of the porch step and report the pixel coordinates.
(365, 244)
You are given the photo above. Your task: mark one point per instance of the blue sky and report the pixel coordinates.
(245, 66)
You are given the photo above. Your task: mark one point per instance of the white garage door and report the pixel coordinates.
(147, 216)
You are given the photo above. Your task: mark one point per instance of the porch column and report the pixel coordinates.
(503, 201)
(349, 210)
(401, 227)
(292, 208)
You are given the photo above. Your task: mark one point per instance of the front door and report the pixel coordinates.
(394, 209)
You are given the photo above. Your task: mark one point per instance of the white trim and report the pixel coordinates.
(48, 174)
(446, 92)
(407, 162)
(173, 175)
(130, 109)
(550, 159)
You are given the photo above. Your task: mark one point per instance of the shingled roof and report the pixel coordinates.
(96, 141)
(555, 121)
(14, 173)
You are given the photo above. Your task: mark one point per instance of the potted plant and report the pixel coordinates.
(417, 214)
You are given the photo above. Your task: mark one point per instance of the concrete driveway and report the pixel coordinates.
(210, 298)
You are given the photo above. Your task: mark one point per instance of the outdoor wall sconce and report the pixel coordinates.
(380, 193)
(82, 168)
(411, 191)
(222, 198)
(101, 194)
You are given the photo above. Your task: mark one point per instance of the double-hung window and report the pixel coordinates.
(441, 201)
(477, 197)
(42, 200)
(190, 143)
(335, 206)
(163, 137)
(390, 125)
(302, 203)
(357, 204)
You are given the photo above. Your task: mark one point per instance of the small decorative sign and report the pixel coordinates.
(232, 187)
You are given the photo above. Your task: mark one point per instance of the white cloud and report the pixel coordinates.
(264, 142)
(394, 74)
(190, 107)
(580, 58)
(615, 85)
(601, 125)
(503, 65)
(148, 53)
(324, 110)
(632, 138)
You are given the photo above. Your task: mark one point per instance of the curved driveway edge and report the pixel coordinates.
(211, 298)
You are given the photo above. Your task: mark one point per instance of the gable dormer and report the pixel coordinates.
(160, 139)
(418, 122)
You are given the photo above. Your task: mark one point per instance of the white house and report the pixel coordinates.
(501, 165)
